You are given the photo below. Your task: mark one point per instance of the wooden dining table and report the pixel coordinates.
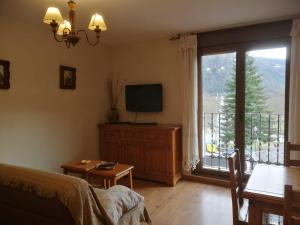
(265, 190)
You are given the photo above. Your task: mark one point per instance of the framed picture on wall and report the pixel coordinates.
(67, 77)
(4, 74)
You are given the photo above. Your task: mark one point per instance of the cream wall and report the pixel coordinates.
(42, 126)
(151, 62)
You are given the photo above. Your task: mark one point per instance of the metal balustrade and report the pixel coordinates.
(264, 139)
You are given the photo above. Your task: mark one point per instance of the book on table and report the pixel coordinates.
(106, 165)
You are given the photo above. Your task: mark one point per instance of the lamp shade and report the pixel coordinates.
(53, 14)
(97, 21)
(64, 28)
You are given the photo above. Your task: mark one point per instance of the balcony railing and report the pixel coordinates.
(264, 139)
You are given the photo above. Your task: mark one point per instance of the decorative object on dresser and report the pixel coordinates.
(153, 150)
(67, 77)
(4, 74)
(115, 88)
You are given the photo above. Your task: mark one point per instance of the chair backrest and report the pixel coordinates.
(291, 148)
(291, 206)
(236, 185)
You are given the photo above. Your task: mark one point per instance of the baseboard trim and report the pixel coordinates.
(208, 180)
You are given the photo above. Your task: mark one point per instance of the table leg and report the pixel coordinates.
(130, 179)
(105, 183)
(114, 181)
(255, 214)
(89, 179)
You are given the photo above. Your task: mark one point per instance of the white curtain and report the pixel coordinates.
(294, 118)
(189, 78)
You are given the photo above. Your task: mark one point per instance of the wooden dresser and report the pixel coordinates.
(154, 150)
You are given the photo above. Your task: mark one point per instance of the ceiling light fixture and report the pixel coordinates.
(65, 31)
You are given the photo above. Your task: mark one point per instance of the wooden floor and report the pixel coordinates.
(189, 203)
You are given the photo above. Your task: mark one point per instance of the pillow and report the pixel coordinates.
(116, 201)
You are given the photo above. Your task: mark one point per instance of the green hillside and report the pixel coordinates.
(216, 73)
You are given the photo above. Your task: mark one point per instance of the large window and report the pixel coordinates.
(265, 80)
(218, 73)
(245, 92)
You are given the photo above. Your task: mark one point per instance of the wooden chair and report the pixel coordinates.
(291, 148)
(239, 207)
(291, 206)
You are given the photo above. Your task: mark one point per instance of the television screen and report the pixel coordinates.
(144, 98)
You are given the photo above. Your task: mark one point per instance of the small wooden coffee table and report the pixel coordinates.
(80, 168)
(110, 177)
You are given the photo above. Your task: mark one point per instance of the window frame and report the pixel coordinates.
(241, 48)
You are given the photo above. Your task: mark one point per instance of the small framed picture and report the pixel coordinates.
(4, 74)
(67, 77)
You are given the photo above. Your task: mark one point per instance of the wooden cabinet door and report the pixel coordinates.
(135, 156)
(154, 151)
(122, 153)
(157, 160)
(110, 144)
(110, 151)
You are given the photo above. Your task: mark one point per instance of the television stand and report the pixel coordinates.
(151, 123)
(154, 151)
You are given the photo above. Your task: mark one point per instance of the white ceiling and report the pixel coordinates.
(131, 21)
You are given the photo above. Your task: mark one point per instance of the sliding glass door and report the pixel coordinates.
(218, 78)
(244, 105)
(265, 79)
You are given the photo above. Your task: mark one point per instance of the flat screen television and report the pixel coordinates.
(144, 98)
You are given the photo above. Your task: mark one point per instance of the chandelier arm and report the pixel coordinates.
(87, 38)
(56, 37)
(67, 44)
(65, 30)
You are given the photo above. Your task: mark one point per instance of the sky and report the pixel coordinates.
(274, 53)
